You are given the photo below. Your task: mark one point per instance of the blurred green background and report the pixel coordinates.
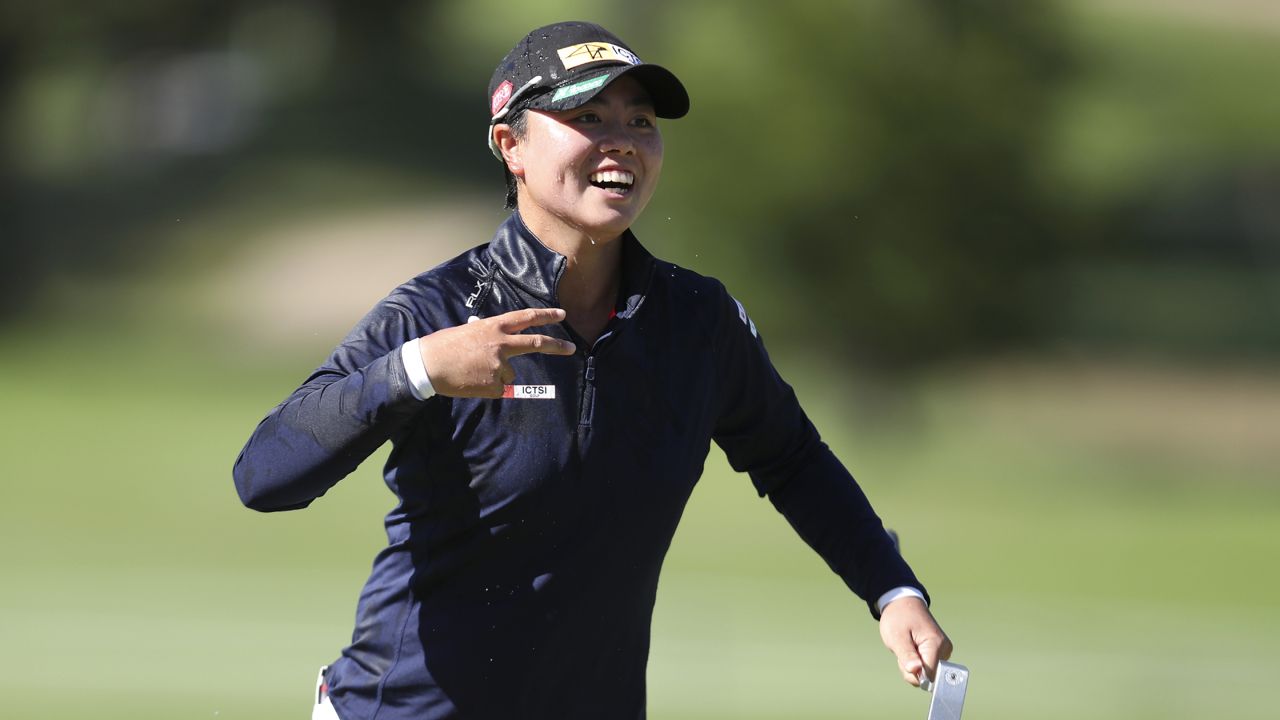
(1020, 259)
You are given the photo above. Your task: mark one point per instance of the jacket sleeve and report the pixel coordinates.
(765, 433)
(344, 411)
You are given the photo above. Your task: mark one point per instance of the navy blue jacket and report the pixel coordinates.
(523, 556)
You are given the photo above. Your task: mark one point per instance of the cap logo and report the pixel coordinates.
(591, 52)
(500, 97)
(579, 87)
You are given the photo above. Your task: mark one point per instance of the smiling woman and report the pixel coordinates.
(551, 397)
(586, 171)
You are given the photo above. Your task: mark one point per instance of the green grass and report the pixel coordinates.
(1133, 577)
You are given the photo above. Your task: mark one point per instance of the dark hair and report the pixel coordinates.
(516, 120)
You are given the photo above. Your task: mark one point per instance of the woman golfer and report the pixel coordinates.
(550, 397)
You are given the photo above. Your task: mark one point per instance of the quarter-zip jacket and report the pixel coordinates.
(523, 555)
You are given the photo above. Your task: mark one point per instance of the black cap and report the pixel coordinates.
(562, 66)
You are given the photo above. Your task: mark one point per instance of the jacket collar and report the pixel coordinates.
(536, 268)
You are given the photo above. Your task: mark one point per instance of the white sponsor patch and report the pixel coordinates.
(529, 392)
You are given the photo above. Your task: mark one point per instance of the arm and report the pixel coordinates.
(764, 432)
(343, 412)
(827, 508)
(372, 384)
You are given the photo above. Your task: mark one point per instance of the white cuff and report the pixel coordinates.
(896, 593)
(419, 383)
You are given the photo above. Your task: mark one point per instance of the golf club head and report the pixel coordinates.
(948, 689)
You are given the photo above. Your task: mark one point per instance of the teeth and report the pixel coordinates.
(616, 177)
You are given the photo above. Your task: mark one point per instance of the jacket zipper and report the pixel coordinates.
(589, 382)
(588, 391)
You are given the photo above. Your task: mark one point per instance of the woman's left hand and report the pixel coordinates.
(910, 632)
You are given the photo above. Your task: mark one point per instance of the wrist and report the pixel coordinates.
(904, 591)
(416, 368)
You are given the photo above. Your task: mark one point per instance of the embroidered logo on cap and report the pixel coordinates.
(500, 97)
(590, 52)
(579, 87)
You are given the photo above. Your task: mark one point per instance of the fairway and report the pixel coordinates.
(137, 587)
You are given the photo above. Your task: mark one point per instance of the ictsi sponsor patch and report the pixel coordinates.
(529, 392)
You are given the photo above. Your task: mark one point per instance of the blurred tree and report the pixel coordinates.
(883, 179)
(62, 210)
(879, 159)
(121, 118)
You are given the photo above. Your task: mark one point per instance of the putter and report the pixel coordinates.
(948, 690)
(953, 680)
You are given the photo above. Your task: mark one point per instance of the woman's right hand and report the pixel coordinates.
(473, 360)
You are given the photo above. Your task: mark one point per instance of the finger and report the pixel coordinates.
(525, 344)
(506, 376)
(929, 657)
(517, 320)
(933, 648)
(904, 650)
(944, 652)
(912, 667)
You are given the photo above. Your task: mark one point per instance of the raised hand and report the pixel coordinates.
(472, 360)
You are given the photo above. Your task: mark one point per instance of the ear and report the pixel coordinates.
(510, 149)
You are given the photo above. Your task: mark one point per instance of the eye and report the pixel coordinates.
(643, 121)
(587, 117)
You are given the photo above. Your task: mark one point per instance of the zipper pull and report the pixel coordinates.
(591, 368)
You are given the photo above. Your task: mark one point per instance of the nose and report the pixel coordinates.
(617, 139)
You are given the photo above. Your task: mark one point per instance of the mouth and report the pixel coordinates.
(616, 181)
